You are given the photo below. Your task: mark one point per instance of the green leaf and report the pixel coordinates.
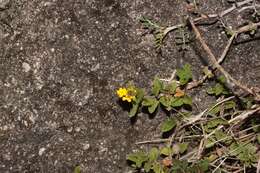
(219, 136)
(157, 168)
(247, 102)
(203, 165)
(215, 110)
(180, 167)
(138, 158)
(148, 24)
(187, 100)
(136, 103)
(151, 103)
(157, 86)
(245, 152)
(217, 90)
(166, 102)
(184, 74)
(139, 95)
(179, 148)
(183, 147)
(77, 169)
(230, 104)
(223, 137)
(152, 108)
(153, 154)
(210, 142)
(168, 125)
(133, 110)
(166, 151)
(208, 72)
(147, 166)
(216, 122)
(222, 79)
(176, 102)
(170, 88)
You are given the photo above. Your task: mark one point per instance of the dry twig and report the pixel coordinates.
(230, 80)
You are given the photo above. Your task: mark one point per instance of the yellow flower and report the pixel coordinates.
(127, 94)
(128, 98)
(121, 92)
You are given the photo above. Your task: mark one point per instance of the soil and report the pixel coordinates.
(61, 62)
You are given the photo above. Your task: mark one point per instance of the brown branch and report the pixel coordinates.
(230, 80)
(204, 16)
(195, 84)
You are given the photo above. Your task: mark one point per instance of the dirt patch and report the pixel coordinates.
(60, 64)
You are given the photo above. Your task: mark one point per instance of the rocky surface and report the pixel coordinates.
(60, 64)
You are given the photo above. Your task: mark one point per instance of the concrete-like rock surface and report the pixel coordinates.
(60, 64)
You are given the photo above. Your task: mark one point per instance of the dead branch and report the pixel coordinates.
(204, 16)
(230, 80)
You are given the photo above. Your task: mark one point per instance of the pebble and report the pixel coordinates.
(26, 67)
(41, 151)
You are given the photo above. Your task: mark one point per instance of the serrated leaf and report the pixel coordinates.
(148, 24)
(157, 168)
(217, 90)
(170, 88)
(166, 151)
(153, 154)
(157, 86)
(208, 72)
(230, 104)
(77, 169)
(147, 166)
(245, 152)
(138, 158)
(176, 102)
(219, 136)
(216, 122)
(222, 136)
(184, 74)
(166, 102)
(168, 125)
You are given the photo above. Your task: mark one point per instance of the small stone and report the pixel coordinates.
(86, 146)
(69, 129)
(77, 129)
(26, 67)
(41, 151)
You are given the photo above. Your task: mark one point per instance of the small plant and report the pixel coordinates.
(225, 137)
(166, 95)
